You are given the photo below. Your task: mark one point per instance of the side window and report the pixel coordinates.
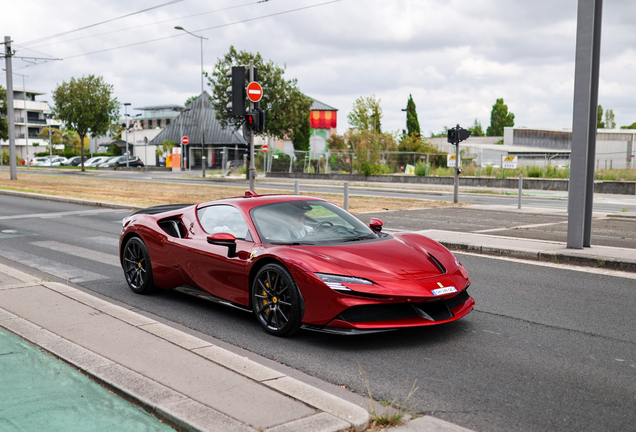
(223, 219)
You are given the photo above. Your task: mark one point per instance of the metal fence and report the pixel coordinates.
(370, 162)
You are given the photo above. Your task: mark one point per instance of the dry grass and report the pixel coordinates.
(145, 194)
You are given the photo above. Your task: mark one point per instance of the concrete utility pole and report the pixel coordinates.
(586, 77)
(10, 113)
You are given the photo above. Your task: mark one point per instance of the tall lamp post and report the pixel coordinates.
(126, 104)
(202, 101)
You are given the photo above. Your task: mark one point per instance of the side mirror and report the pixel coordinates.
(376, 225)
(224, 239)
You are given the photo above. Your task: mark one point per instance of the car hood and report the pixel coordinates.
(400, 257)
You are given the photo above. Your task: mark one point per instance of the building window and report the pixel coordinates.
(167, 122)
(149, 124)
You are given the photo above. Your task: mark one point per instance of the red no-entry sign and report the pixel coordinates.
(254, 91)
(264, 148)
(185, 140)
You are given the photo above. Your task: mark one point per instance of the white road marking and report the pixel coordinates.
(63, 271)
(108, 241)
(81, 252)
(60, 214)
(599, 271)
(520, 227)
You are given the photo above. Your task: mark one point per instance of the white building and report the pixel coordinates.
(30, 119)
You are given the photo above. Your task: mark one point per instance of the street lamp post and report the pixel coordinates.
(202, 101)
(126, 117)
(374, 143)
(49, 117)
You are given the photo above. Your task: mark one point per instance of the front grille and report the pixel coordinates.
(438, 310)
(458, 300)
(385, 312)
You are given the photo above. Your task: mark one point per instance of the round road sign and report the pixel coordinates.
(254, 91)
(185, 140)
(264, 148)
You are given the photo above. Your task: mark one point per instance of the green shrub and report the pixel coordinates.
(420, 169)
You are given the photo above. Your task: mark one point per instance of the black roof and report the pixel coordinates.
(190, 122)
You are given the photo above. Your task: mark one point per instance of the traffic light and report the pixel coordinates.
(452, 136)
(252, 120)
(237, 91)
(457, 134)
(262, 116)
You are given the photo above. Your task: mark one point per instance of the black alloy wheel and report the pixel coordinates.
(137, 267)
(276, 302)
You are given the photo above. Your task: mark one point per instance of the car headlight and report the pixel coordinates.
(335, 282)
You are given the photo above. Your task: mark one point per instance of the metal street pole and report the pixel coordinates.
(126, 117)
(50, 139)
(10, 112)
(26, 123)
(202, 101)
(586, 82)
(456, 188)
(252, 166)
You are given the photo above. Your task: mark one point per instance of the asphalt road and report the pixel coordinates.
(545, 349)
(534, 199)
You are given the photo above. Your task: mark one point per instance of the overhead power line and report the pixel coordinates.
(150, 24)
(205, 29)
(99, 23)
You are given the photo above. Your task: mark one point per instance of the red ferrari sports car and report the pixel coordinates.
(296, 262)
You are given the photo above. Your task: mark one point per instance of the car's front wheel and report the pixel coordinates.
(276, 301)
(137, 266)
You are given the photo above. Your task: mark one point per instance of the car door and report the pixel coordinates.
(208, 265)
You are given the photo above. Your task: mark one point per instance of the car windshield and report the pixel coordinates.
(307, 223)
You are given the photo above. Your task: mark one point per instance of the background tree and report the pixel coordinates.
(476, 129)
(361, 115)
(600, 124)
(190, 99)
(302, 134)
(609, 119)
(412, 124)
(56, 135)
(286, 106)
(86, 106)
(631, 126)
(4, 125)
(500, 118)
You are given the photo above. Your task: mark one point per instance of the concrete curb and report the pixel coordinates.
(68, 200)
(333, 413)
(556, 257)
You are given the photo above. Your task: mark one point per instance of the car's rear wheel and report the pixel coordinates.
(276, 302)
(137, 267)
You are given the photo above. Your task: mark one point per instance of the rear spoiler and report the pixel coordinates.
(161, 209)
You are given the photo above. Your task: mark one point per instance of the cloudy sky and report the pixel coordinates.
(456, 57)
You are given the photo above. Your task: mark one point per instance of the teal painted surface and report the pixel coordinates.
(41, 393)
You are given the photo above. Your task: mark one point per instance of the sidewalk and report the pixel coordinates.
(183, 380)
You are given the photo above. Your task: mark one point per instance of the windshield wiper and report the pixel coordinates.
(365, 237)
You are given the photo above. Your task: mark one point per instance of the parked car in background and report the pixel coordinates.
(75, 161)
(55, 161)
(95, 161)
(122, 161)
(39, 161)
